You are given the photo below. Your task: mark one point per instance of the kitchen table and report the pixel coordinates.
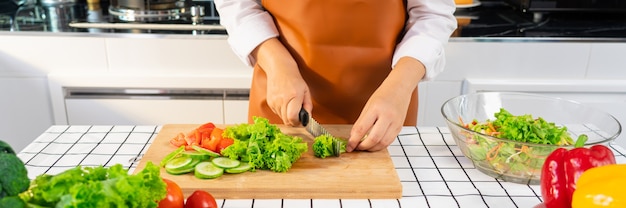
(432, 170)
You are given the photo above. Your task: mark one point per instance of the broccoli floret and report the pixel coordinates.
(326, 145)
(12, 201)
(14, 178)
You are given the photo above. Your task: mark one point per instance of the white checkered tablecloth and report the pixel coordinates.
(433, 171)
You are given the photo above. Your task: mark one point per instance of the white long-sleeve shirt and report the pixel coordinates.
(428, 29)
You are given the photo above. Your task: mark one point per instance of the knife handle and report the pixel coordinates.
(304, 117)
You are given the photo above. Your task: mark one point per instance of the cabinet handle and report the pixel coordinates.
(153, 93)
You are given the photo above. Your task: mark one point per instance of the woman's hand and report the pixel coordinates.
(383, 116)
(287, 92)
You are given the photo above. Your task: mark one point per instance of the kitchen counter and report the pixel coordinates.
(432, 170)
(494, 19)
(487, 20)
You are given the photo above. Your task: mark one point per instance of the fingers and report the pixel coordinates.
(358, 132)
(384, 142)
(292, 112)
(289, 113)
(375, 138)
(307, 103)
(378, 139)
(372, 135)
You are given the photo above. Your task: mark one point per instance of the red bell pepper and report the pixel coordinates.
(563, 167)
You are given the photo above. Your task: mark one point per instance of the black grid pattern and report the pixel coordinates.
(432, 170)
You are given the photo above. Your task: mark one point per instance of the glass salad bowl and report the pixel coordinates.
(549, 123)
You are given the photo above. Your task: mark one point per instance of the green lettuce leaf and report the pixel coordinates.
(263, 146)
(98, 187)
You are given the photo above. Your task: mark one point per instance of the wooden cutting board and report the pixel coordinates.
(355, 175)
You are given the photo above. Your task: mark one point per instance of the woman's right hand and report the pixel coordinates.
(287, 92)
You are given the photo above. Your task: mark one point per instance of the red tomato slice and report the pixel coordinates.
(204, 132)
(179, 140)
(201, 199)
(205, 143)
(216, 138)
(224, 143)
(174, 197)
(208, 126)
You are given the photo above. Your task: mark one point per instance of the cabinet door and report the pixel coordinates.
(142, 111)
(235, 111)
(24, 110)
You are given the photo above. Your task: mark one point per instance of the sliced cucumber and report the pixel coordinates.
(179, 163)
(206, 170)
(205, 151)
(172, 155)
(196, 155)
(243, 167)
(224, 162)
(178, 172)
(194, 163)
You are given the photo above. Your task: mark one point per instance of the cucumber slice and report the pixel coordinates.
(205, 151)
(178, 172)
(224, 162)
(206, 170)
(196, 155)
(179, 163)
(243, 167)
(172, 155)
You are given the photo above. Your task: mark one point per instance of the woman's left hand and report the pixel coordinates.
(379, 123)
(383, 116)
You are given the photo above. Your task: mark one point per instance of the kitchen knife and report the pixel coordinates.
(315, 129)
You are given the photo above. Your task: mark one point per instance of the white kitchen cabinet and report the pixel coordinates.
(235, 111)
(432, 94)
(142, 111)
(24, 109)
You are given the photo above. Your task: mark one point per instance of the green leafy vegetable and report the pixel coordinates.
(324, 146)
(12, 202)
(510, 157)
(263, 146)
(98, 187)
(523, 128)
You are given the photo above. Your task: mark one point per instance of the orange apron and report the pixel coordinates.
(343, 49)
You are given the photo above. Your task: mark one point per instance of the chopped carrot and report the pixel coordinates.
(494, 151)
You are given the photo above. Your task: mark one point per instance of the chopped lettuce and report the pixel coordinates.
(515, 158)
(525, 128)
(263, 146)
(324, 146)
(97, 187)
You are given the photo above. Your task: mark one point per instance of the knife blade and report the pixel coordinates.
(311, 125)
(314, 128)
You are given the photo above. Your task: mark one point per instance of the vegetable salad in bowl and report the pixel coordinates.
(509, 135)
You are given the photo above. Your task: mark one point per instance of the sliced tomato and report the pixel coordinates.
(207, 126)
(214, 141)
(224, 143)
(193, 137)
(203, 133)
(178, 140)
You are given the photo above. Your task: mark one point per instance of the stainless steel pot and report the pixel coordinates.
(55, 2)
(147, 4)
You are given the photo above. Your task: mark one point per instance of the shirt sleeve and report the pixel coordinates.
(241, 18)
(428, 29)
